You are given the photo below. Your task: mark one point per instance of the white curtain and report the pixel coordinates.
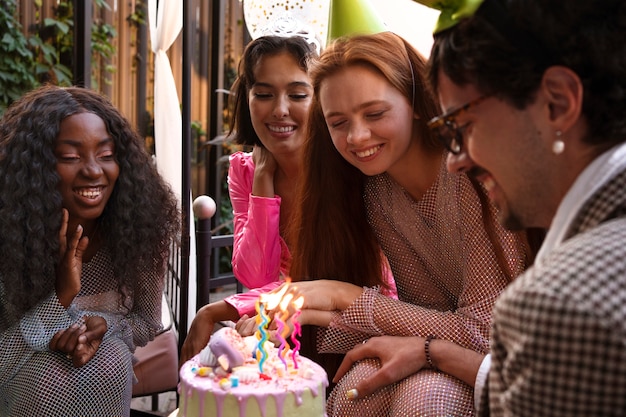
(166, 23)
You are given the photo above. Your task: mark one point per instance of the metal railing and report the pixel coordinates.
(176, 288)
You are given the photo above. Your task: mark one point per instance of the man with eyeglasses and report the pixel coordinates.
(534, 95)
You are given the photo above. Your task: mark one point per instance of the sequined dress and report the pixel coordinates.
(447, 278)
(37, 382)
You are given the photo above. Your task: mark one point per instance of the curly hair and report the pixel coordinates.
(141, 218)
(241, 128)
(489, 51)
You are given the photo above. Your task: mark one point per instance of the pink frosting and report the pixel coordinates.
(309, 376)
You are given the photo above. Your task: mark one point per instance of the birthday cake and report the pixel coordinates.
(237, 377)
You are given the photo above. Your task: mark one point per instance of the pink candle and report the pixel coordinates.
(297, 331)
(279, 330)
(282, 329)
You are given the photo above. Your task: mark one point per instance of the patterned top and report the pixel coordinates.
(559, 337)
(447, 278)
(37, 382)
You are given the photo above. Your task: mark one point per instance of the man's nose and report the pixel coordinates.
(459, 163)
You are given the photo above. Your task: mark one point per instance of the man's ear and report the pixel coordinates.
(563, 90)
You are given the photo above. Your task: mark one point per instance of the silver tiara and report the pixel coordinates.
(305, 18)
(287, 26)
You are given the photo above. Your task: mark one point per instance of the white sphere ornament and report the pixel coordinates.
(204, 207)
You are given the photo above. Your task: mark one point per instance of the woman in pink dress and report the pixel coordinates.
(271, 100)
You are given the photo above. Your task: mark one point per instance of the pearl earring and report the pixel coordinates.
(558, 146)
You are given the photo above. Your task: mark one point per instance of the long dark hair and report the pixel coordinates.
(241, 128)
(141, 218)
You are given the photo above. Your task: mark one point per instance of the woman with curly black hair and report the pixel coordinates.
(86, 223)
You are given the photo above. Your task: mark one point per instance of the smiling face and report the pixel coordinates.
(508, 151)
(86, 163)
(369, 120)
(279, 103)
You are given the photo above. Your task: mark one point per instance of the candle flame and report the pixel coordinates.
(284, 304)
(298, 303)
(272, 300)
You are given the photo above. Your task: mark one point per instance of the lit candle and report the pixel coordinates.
(265, 304)
(297, 330)
(282, 329)
(262, 321)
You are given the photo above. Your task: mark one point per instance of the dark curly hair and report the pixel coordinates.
(506, 46)
(241, 128)
(141, 218)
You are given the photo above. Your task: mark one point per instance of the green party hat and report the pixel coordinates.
(352, 17)
(499, 17)
(452, 11)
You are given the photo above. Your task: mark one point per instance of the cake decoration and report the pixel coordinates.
(226, 348)
(250, 377)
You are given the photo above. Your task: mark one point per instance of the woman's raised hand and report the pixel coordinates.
(68, 272)
(264, 160)
(265, 166)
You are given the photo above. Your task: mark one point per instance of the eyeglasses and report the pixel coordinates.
(448, 131)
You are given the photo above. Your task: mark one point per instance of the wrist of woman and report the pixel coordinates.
(428, 354)
(216, 312)
(348, 296)
(263, 184)
(453, 359)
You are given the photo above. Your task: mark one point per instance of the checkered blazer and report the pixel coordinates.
(559, 331)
